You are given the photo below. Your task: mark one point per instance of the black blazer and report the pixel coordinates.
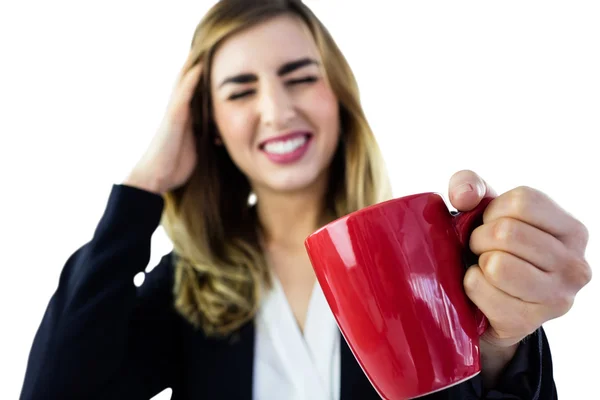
(103, 338)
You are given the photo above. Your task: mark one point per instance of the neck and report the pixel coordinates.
(288, 218)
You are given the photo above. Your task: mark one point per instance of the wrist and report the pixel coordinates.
(494, 359)
(138, 182)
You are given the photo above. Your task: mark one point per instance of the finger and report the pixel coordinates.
(509, 316)
(521, 240)
(537, 209)
(517, 277)
(190, 80)
(191, 60)
(466, 189)
(186, 88)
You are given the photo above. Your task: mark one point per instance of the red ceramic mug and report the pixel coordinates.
(393, 274)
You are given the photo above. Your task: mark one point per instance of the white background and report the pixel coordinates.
(509, 89)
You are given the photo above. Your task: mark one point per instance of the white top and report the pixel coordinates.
(292, 366)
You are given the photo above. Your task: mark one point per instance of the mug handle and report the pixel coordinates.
(464, 223)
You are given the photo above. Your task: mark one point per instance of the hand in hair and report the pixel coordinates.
(171, 156)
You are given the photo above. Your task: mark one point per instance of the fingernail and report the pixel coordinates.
(463, 188)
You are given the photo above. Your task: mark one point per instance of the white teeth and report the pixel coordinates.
(285, 146)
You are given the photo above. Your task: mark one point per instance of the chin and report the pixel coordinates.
(288, 183)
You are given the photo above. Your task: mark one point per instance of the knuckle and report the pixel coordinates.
(579, 272)
(491, 264)
(582, 233)
(562, 305)
(471, 280)
(504, 230)
(478, 239)
(585, 233)
(521, 200)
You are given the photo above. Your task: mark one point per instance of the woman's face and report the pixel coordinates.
(275, 112)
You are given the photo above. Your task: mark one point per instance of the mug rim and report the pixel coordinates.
(372, 207)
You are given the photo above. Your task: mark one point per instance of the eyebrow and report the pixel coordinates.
(285, 69)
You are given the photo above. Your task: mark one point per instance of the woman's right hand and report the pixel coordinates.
(171, 156)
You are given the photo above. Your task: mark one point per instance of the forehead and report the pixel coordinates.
(264, 47)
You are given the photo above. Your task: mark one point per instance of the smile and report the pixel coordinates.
(287, 148)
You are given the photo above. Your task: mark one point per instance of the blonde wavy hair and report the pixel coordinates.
(220, 268)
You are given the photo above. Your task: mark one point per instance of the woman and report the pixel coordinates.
(264, 141)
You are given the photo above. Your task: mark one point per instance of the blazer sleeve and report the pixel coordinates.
(100, 336)
(528, 376)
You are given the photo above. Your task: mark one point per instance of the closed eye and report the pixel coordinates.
(308, 79)
(241, 94)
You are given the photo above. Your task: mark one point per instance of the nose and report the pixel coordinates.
(277, 106)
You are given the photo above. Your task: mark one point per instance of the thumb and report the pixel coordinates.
(466, 189)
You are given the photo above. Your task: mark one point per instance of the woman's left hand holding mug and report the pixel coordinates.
(531, 264)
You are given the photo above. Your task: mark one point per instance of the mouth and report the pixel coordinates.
(287, 148)
(286, 144)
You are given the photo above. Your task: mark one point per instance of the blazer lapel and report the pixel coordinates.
(228, 374)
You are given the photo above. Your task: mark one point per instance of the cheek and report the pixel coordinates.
(325, 109)
(234, 125)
